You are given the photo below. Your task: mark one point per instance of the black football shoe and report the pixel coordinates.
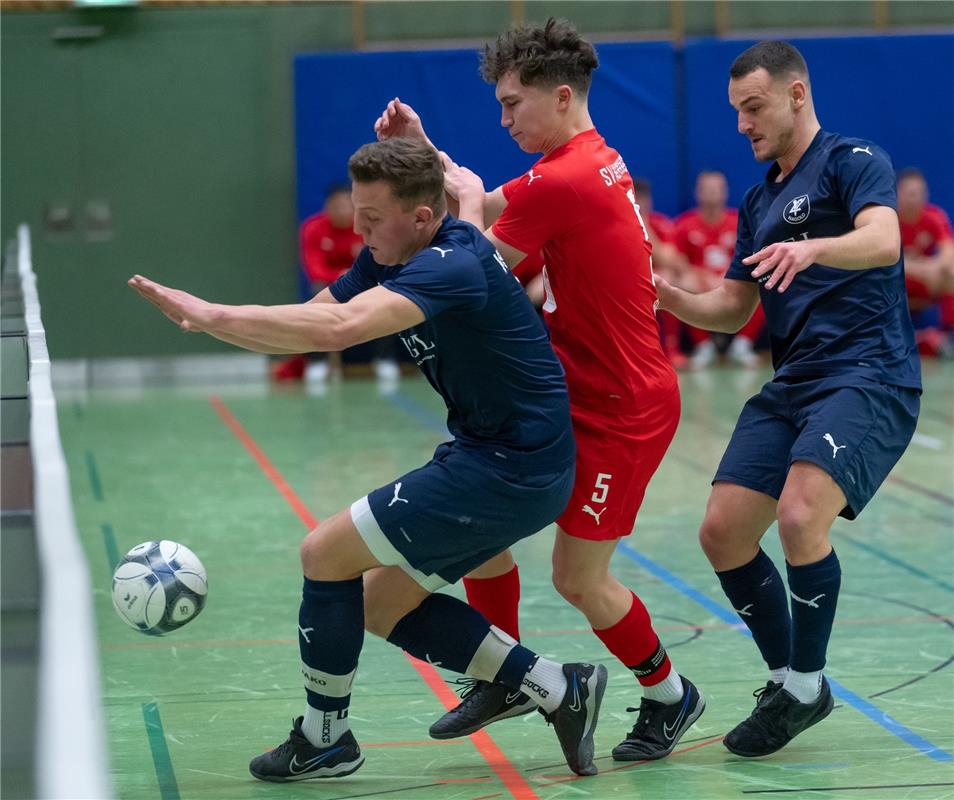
(660, 726)
(481, 703)
(297, 759)
(575, 719)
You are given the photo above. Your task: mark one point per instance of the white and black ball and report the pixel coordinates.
(159, 586)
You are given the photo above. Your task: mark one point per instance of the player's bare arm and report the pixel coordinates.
(726, 308)
(298, 328)
(399, 120)
(324, 296)
(510, 254)
(874, 242)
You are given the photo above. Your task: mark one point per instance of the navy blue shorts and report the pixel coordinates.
(854, 429)
(448, 517)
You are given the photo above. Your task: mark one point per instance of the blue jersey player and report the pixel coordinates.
(819, 244)
(507, 473)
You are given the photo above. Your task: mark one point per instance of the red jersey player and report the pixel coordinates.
(928, 263)
(577, 206)
(706, 236)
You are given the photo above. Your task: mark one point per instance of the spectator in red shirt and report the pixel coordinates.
(928, 264)
(328, 247)
(667, 262)
(706, 236)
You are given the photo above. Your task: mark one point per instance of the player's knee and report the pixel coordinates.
(715, 533)
(575, 587)
(313, 550)
(797, 517)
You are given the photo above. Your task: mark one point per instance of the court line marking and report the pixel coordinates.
(109, 542)
(514, 782)
(868, 548)
(168, 788)
(843, 693)
(930, 442)
(93, 473)
(847, 788)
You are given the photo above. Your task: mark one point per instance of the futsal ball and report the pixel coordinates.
(159, 586)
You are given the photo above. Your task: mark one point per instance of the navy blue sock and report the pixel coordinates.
(448, 633)
(330, 635)
(757, 594)
(814, 590)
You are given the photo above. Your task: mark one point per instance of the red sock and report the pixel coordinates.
(634, 642)
(497, 599)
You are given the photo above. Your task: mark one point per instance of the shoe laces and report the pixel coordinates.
(644, 720)
(764, 693)
(467, 688)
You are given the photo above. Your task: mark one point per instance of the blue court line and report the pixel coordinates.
(897, 562)
(93, 473)
(412, 408)
(841, 692)
(168, 788)
(112, 551)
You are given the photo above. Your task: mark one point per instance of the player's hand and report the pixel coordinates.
(460, 182)
(190, 313)
(399, 121)
(781, 261)
(665, 291)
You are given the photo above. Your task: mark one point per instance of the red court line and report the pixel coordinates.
(267, 467)
(515, 783)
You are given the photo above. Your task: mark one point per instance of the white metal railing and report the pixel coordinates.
(70, 752)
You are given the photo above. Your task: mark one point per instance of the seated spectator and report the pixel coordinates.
(328, 246)
(706, 235)
(928, 244)
(667, 262)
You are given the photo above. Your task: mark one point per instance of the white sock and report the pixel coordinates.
(667, 691)
(545, 684)
(324, 728)
(778, 675)
(803, 686)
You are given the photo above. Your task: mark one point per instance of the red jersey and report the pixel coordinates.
(577, 206)
(326, 251)
(922, 238)
(706, 245)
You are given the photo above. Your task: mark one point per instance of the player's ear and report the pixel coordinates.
(798, 92)
(423, 215)
(564, 94)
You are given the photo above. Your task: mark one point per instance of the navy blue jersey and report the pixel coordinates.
(830, 321)
(481, 346)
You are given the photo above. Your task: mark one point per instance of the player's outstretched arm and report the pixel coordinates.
(301, 328)
(725, 309)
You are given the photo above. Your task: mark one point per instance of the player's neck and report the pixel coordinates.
(800, 143)
(573, 126)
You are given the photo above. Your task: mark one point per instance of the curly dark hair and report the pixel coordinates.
(410, 167)
(547, 56)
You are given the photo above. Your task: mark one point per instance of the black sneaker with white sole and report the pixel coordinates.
(660, 726)
(776, 721)
(575, 719)
(481, 703)
(297, 759)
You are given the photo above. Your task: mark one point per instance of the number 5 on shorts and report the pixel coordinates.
(602, 485)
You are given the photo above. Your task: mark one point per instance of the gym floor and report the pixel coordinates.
(239, 473)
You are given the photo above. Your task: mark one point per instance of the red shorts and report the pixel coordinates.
(616, 456)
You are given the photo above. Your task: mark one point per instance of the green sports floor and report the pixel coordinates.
(238, 473)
